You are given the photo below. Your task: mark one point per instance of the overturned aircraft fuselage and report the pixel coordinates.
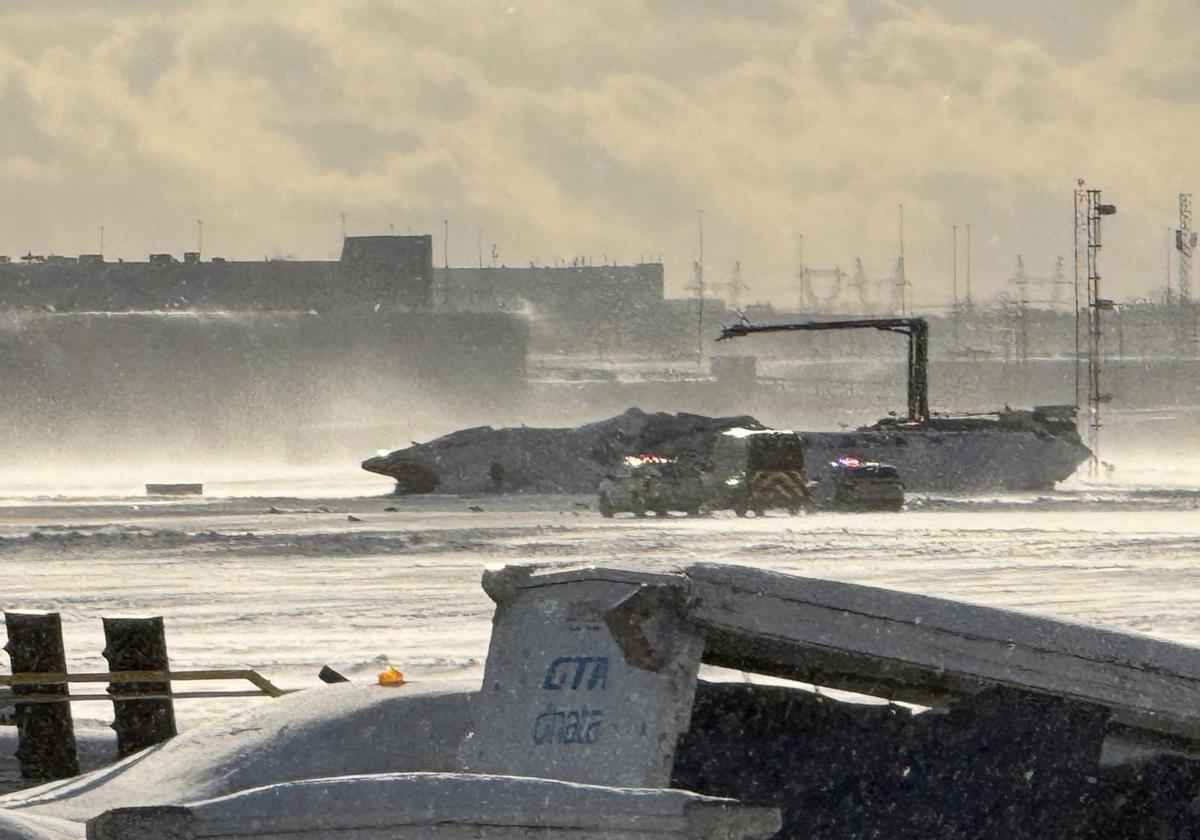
(593, 720)
(1019, 450)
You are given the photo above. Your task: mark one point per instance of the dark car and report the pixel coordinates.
(863, 485)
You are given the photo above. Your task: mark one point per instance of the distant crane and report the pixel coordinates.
(736, 286)
(861, 285)
(700, 288)
(826, 302)
(810, 300)
(1059, 282)
(901, 274)
(1020, 280)
(897, 282)
(1024, 284)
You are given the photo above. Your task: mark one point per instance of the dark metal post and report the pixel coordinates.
(918, 371)
(45, 730)
(139, 644)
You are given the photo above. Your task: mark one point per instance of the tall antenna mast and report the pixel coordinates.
(1079, 223)
(968, 265)
(1096, 210)
(199, 237)
(903, 277)
(343, 226)
(807, 301)
(101, 242)
(446, 242)
(700, 289)
(954, 260)
(1170, 292)
(1185, 242)
(1020, 281)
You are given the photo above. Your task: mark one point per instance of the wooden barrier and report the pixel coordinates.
(45, 731)
(139, 644)
(139, 687)
(262, 686)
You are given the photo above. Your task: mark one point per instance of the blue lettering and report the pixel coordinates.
(575, 668)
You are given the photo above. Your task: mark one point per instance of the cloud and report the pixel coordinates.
(20, 135)
(571, 128)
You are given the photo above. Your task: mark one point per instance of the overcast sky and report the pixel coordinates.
(568, 127)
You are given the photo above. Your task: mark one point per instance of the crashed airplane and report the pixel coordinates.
(487, 460)
(600, 714)
(1021, 450)
(1018, 450)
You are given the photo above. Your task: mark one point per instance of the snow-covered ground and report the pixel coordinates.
(287, 583)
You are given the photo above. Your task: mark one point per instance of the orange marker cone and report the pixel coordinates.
(391, 677)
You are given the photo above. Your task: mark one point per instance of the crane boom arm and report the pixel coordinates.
(917, 330)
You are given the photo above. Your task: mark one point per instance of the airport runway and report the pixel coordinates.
(286, 584)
